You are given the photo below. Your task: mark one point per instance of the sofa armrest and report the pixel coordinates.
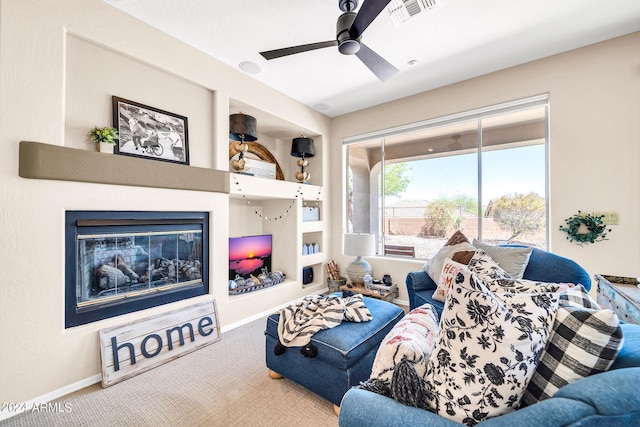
(361, 408)
(611, 393)
(418, 281)
(629, 356)
(545, 266)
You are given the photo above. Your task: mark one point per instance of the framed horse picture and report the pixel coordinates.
(149, 132)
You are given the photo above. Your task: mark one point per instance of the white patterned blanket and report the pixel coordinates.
(298, 322)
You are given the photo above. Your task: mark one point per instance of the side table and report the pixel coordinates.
(620, 294)
(385, 293)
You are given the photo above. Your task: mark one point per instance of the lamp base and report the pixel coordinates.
(303, 176)
(357, 270)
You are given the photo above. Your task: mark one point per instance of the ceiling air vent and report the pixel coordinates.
(402, 10)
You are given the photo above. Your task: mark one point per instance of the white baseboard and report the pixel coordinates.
(46, 398)
(401, 302)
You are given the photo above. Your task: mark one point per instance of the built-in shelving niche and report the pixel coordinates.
(276, 134)
(254, 198)
(256, 202)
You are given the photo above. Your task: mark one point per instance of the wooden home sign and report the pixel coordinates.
(134, 348)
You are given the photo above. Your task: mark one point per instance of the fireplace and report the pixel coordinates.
(119, 262)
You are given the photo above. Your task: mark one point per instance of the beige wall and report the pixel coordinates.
(60, 63)
(594, 148)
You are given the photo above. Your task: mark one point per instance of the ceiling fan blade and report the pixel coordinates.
(369, 10)
(278, 53)
(377, 64)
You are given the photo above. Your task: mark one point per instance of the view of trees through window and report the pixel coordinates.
(485, 176)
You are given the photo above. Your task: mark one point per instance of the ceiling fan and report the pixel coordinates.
(349, 29)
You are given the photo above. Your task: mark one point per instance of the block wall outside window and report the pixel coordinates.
(482, 173)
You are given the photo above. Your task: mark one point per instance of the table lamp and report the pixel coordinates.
(359, 245)
(302, 147)
(242, 127)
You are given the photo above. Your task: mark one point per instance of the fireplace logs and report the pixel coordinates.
(109, 277)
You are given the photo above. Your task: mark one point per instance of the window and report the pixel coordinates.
(483, 172)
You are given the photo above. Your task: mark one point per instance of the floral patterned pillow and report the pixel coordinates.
(487, 350)
(499, 281)
(486, 268)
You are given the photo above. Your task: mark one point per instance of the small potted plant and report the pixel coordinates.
(105, 138)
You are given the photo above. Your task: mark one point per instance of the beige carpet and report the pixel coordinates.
(224, 384)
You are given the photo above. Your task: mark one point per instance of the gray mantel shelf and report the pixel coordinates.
(46, 161)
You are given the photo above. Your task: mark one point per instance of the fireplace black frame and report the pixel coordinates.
(79, 222)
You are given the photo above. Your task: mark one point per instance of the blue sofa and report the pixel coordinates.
(543, 266)
(607, 399)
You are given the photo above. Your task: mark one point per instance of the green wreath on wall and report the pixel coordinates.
(585, 228)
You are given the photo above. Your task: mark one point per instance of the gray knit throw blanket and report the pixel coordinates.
(298, 322)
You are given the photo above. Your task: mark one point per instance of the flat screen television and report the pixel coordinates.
(249, 255)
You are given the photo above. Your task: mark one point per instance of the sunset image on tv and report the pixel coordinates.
(249, 254)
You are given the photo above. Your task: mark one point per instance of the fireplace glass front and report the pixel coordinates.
(119, 262)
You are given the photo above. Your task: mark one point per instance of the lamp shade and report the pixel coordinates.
(242, 127)
(359, 244)
(302, 147)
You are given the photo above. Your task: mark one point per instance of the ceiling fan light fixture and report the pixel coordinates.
(347, 44)
(349, 47)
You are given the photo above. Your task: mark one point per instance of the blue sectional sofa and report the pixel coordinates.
(607, 399)
(543, 266)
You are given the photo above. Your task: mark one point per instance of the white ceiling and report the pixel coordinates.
(454, 41)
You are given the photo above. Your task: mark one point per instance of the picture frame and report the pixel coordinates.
(149, 132)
